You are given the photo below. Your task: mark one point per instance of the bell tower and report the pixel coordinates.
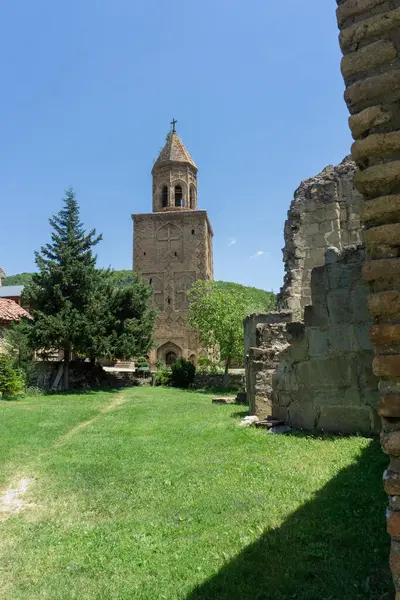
(174, 177)
(172, 248)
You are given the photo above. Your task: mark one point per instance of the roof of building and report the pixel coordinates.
(11, 311)
(11, 291)
(174, 151)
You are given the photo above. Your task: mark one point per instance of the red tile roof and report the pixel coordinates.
(11, 311)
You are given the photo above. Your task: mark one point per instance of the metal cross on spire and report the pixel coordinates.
(173, 123)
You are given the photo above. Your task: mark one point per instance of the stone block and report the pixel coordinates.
(391, 481)
(353, 8)
(362, 336)
(391, 386)
(385, 304)
(302, 415)
(341, 338)
(317, 342)
(386, 235)
(344, 419)
(386, 365)
(390, 443)
(339, 397)
(379, 209)
(382, 268)
(339, 307)
(393, 523)
(327, 373)
(359, 306)
(389, 406)
(379, 180)
(373, 28)
(376, 144)
(368, 118)
(385, 336)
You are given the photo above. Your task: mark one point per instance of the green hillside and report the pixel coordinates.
(261, 300)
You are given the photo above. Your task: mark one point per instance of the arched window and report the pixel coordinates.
(164, 196)
(192, 197)
(178, 195)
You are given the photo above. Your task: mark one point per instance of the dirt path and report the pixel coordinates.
(12, 499)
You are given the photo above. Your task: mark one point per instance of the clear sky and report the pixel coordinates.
(89, 88)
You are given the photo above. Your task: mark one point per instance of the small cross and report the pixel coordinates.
(173, 123)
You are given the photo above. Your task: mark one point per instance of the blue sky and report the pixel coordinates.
(89, 89)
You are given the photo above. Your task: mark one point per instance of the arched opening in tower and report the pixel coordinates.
(178, 195)
(164, 197)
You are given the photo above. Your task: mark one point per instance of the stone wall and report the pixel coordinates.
(325, 212)
(208, 380)
(265, 341)
(324, 380)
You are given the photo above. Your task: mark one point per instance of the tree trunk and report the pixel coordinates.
(225, 380)
(67, 359)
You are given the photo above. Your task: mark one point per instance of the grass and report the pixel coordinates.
(155, 494)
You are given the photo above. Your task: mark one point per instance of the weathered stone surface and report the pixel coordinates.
(389, 406)
(386, 365)
(367, 119)
(391, 481)
(385, 208)
(393, 523)
(344, 419)
(385, 304)
(385, 334)
(376, 145)
(386, 235)
(230, 400)
(324, 213)
(379, 180)
(381, 268)
(368, 57)
(369, 28)
(354, 8)
(391, 443)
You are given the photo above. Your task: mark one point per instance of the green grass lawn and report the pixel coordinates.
(155, 494)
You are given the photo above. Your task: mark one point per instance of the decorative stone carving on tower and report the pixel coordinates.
(369, 39)
(173, 248)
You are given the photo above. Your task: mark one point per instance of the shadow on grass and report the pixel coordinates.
(215, 390)
(240, 414)
(332, 548)
(50, 393)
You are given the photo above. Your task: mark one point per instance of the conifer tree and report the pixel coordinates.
(62, 293)
(79, 308)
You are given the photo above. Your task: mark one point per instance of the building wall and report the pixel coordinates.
(325, 212)
(324, 379)
(171, 251)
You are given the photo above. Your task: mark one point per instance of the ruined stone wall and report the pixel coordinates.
(325, 212)
(324, 380)
(265, 341)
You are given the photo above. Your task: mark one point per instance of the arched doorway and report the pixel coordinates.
(170, 358)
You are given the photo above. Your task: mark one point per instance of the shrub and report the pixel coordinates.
(182, 373)
(141, 362)
(163, 376)
(11, 379)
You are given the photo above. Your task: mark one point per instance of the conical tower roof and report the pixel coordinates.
(174, 151)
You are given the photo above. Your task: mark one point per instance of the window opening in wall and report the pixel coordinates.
(164, 197)
(169, 300)
(192, 231)
(150, 281)
(176, 254)
(144, 253)
(178, 195)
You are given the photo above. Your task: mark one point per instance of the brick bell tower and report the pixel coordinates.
(172, 248)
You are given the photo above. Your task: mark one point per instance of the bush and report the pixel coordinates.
(208, 366)
(11, 379)
(163, 376)
(141, 362)
(182, 373)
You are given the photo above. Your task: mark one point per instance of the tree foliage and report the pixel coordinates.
(217, 314)
(11, 379)
(79, 308)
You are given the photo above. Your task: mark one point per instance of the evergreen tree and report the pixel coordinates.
(61, 295)
(79, 308)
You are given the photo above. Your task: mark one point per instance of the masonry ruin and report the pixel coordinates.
(310, 363)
